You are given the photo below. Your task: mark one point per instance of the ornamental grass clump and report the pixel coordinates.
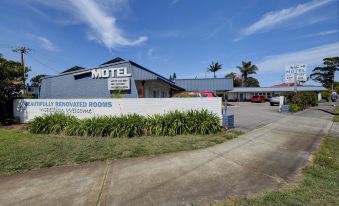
(197, 122)
(51, 124)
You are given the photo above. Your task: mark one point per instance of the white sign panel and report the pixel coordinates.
(26, 109)
(298, 71)
(110, 72)
(119, 83)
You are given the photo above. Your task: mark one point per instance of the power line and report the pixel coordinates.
(25, 51)
(43, 64)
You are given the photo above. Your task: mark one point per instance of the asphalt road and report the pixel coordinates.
(263, 159)
(249, 116)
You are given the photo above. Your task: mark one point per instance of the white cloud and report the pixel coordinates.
(97, 15)
(103, 26)
(322, 33)
(275, 18)
(150, 52)
(312, 57)
(174, 2)
(44, 42)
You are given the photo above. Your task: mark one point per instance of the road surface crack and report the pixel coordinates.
(103, 183)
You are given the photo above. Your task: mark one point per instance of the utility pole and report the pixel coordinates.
(23, 50)
(295, 82)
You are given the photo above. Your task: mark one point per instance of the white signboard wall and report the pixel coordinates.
(119, 83)
(26, 109)
(298, 71)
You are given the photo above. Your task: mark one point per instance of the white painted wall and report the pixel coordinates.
(26, 109)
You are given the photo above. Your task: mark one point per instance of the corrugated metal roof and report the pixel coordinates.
(277, 89)
(208, 84)
(139, 72)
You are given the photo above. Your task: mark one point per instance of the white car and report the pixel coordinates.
(275, 99)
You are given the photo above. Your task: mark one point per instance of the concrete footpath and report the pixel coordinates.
(264, 159)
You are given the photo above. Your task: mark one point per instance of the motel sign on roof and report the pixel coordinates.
(298, 71)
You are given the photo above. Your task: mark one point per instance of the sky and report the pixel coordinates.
(181, 36)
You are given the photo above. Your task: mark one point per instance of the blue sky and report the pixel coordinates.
(182, 36)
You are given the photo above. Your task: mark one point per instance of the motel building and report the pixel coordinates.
(126, 78)
(246, 93)
(131, 80)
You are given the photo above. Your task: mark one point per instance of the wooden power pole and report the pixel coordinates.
(23, 50)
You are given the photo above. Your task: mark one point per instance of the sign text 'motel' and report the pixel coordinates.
(115, 77)
(110, 72)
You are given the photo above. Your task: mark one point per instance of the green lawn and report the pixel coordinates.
(320, 185)
(336, 117)
(21, 150)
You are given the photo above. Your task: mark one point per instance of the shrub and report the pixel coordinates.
(301, 100)
(4, 121)
(185, 95)
(294, 107)
(326, 95)
(173, 123)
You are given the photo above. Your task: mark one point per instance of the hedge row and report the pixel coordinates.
(173, 123)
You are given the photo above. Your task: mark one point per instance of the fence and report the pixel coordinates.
(27, 109)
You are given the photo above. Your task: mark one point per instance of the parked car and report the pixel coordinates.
(195, 94)
(275, 99)
(258, 99)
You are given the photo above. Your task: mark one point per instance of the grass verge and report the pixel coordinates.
(21, 150)
(320, 185)
(336, 117)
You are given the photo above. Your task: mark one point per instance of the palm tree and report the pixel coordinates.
(232, 75)
(247, 69)
(214, 67)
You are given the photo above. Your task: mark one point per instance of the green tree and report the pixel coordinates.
(246, 69)
(232, 75)
(174, 75)
(36, 81)
(325, 74)
(11, 79)
(252, 82)
(236, 80)
(214, 67)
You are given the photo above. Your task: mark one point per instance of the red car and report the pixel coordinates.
(258, 99)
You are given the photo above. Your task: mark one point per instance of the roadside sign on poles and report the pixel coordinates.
(296, 71)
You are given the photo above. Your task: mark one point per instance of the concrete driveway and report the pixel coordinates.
(249, 116)
(264, 159)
